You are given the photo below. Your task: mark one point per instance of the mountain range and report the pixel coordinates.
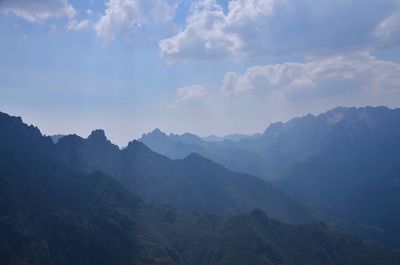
(345, 162)
(193, 183)
(54, 213)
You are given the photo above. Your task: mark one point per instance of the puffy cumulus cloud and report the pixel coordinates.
(187, 94)
(357, 74)
(204, 34)
(127, 16)
(38, 10)
(78, 25)
(254, 27)
(210, 33)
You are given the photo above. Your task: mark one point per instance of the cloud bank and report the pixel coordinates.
(38, 10)
(130, 16)
(254, 27)
(359, 75)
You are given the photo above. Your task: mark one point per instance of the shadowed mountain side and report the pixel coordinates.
(191, 184)
(52, 215)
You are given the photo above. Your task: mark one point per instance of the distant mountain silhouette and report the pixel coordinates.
(52, 214)
(346, 160)
(230, 137)
(230, 154)
(193, 183)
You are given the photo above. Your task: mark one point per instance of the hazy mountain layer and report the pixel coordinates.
(230, 137)
(346, 161)
(230, 154)
(50, 214)
(191, 184)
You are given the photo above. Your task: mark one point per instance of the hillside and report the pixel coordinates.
(50, 214)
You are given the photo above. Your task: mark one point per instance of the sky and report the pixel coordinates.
(200, 66)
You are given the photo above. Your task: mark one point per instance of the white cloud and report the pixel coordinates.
(388, 31)
(357, 74)
(254, 27)
(38, 10)
(187, 94)
(203, 36)
(128, 16)
(78, 25)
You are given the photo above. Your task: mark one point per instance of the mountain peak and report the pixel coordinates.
(16, 125)
(98, 135)
(133, 144)
(5, 116)
(136, 145)
(157, 131)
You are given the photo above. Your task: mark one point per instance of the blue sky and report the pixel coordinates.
(207, 67)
